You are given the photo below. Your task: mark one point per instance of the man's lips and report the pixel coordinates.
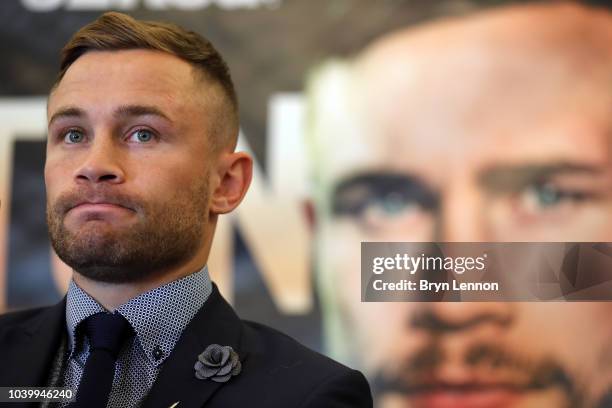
(100, 207)
(465, 396)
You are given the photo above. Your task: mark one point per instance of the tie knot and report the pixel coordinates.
(107, 331)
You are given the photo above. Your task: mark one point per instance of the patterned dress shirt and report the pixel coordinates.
(158, 318)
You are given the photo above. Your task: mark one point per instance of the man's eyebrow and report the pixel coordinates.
(511, 178)
(374, 179)
(121, 112)
(67, 112)
(140, 110)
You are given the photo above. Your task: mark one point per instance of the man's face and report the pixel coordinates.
(127, 170)
(468, 144)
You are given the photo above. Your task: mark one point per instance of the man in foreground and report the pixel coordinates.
(491, 127)
(142, 128)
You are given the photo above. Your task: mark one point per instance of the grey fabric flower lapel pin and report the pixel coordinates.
(217, 363)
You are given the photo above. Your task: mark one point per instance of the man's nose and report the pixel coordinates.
(461, 216)
(101, 163)
(454, 317)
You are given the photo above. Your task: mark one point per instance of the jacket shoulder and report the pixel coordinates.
(278, 347)
(18, 318)
(300, 376)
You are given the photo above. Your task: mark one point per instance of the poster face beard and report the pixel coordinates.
(166, 234)
(505, 371)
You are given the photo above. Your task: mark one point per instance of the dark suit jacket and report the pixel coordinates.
(276, 370)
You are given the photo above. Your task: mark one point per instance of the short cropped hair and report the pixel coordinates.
(115, 31)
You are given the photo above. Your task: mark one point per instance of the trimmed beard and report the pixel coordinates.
(166, 234)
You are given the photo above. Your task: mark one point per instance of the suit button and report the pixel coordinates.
(158, 353)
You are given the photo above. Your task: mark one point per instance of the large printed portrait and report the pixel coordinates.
(484, 128)
(395, 121)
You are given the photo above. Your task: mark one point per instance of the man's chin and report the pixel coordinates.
(101, 256)
(112, 259)
(101, 266)
(111, 273)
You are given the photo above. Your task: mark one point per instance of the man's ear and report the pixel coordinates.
(235, 171)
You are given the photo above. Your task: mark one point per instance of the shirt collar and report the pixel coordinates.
(158, 317)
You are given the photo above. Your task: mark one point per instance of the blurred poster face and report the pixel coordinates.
(494, 127)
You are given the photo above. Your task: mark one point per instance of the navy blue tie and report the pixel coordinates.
(107, 333)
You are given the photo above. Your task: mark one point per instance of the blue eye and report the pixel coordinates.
(73, 136)
(544, 196)
(387, 194)
(547, 195)
(394, 203)
(142, 135)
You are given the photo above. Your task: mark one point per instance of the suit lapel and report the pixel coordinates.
(33, 346)
(215, 323)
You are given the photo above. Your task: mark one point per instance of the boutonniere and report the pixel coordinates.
(217, 363)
